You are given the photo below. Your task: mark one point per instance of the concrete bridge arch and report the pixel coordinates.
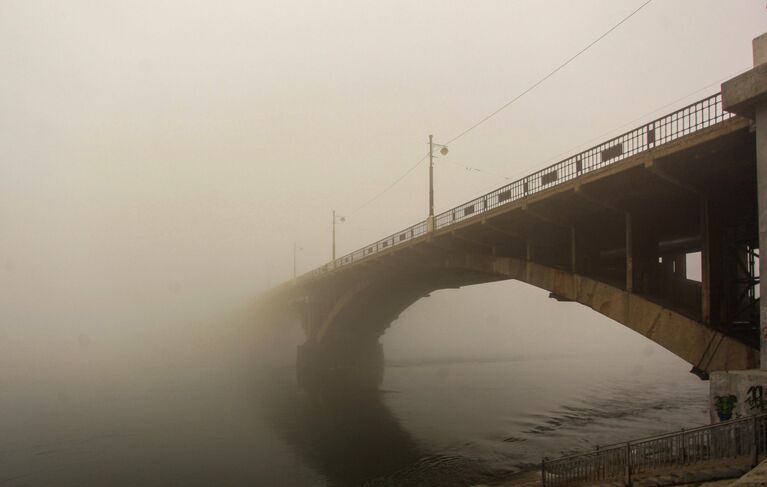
(345, 339)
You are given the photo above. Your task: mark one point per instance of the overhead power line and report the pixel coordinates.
(551, 160)
(504, 106)
(385, 190)
(476, 169)
(602, 136)
(552, 73)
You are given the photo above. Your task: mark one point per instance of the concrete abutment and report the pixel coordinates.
(735, 394)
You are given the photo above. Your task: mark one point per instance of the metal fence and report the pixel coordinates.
(692, 118)
(739, 442)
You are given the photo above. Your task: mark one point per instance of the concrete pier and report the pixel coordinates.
(351, 366)
(741, 393)
(746, 95)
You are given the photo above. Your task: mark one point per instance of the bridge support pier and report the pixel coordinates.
(345, 363)
(742, 393)
(746, 95)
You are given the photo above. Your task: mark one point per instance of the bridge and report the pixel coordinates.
(612, 228)
(658, 229)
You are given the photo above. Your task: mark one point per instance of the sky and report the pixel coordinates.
(160, 159)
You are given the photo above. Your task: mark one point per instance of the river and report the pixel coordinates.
(432, 423)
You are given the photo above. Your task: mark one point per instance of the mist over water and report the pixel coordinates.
(227, 411)
(437, 424)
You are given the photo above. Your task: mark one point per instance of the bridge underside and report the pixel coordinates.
(618, 240)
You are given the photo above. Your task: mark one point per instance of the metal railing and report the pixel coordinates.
(692, 118)
(740, 441)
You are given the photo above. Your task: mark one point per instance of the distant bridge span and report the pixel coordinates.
(610, 228)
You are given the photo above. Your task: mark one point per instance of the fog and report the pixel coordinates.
(160, 159)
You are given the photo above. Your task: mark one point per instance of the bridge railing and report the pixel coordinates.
(696, 116)
(740, 441)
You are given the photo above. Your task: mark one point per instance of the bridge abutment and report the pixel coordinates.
(736, 394)
(746, 95)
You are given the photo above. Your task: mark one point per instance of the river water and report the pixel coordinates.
(436, 423)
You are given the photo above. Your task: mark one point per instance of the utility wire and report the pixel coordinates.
(378, 195)
(505, 105)
(476, 169)
(552, 73)
(551, 160)
(603, 135)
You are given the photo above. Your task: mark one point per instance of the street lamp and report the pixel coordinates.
(336, 218)
(295, 249)
(443, 151)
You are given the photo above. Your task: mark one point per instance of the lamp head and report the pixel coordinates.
(443, 150)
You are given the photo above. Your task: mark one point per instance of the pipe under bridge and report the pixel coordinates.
(612, 228)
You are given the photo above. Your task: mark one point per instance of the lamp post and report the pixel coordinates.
(336, 218)
(443, 151)
(431, 176)
(296, 248)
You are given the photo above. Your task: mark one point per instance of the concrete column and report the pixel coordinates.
(746, 95)
(705, 262)
(528, 259)
(761, 181)
(629, 255)
(573, 256)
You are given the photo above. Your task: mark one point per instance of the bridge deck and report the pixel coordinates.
(686, 130)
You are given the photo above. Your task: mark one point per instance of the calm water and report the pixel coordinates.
(452, 423)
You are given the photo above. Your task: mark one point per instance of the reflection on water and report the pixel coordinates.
(349, 436)
(452, 423)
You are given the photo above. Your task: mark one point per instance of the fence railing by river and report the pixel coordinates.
(739, 442)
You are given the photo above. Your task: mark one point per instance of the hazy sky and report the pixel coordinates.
(159, 159)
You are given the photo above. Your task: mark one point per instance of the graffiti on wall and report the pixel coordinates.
(755, 400)
(725, 406)
(739, 399)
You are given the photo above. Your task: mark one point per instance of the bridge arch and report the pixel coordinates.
(361, 315)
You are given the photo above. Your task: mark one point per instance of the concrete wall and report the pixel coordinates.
(737, 394)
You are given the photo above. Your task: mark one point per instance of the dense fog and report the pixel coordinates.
(160, 160)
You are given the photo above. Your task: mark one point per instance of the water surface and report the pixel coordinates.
(436, 423)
